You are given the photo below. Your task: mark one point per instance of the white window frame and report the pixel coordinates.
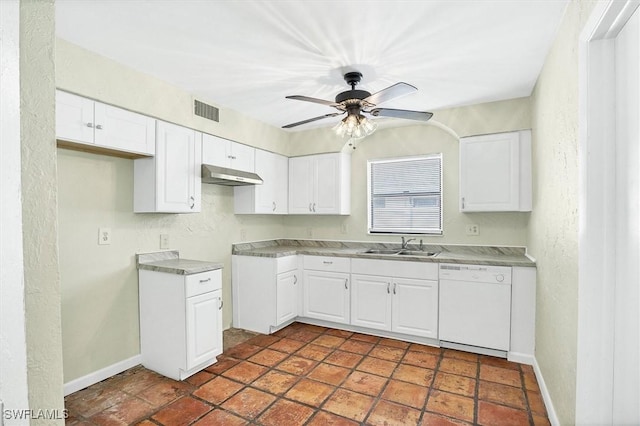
(420, 231)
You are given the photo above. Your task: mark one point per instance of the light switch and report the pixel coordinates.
(164, 241)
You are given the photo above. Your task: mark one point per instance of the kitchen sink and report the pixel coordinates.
(401, 252)
(382, 251)
(418, 253)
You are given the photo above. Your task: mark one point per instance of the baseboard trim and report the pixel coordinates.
(521, 358)
(551, 412)
(98, 376)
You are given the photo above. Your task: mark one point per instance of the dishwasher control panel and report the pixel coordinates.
(475, 273)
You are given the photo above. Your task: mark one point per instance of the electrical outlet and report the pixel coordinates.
(473, 229)
(309, 232)
(104, 236)
(243, 234)
(344, 228)
(164, 241)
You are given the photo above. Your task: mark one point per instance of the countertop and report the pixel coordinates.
(479, 255)
(170, 262)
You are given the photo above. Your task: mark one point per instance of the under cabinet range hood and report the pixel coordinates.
(229, 177)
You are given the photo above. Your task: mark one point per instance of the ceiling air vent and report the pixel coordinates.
(206, 111)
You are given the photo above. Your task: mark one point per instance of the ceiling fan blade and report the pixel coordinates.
(401, 113)
(288, 126)
(314, 100)
(391, 92)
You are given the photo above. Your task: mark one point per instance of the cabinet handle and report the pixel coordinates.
(193, 202)
(346, 284)
(310, 207)
(314, 207)
(90, 125)
(230, 157)
(388, 285)
(394, 287)
(326, 262)
(221, 304)
(274, 206)
(295, 280)
(205, 281)
(462, 203)
(99, 127)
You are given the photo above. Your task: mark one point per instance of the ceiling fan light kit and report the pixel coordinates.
(356, 102)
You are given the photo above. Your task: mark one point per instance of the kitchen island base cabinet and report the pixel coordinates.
(266, 292)
(180, 321)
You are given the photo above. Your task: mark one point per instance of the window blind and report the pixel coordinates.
(405, 195)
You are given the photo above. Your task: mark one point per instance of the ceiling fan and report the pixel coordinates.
(356, 102)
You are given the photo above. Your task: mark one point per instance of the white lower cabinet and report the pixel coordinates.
(180, 321)
(266, 292)
(326, 288)
(403, 300)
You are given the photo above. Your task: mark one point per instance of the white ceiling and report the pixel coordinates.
(249, 55)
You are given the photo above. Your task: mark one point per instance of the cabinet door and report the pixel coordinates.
(177, 169)
(266, 166)
(215, 150)
(286, 297)
(204, 328)
(124, 130)
(490, 173)
(74, 118)
(301, 185)
(326, 296)
(326, 179)
(371, 301)
(415, 307)
(280, 188)
(242, 157)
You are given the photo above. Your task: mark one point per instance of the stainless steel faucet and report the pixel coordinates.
(405, 243)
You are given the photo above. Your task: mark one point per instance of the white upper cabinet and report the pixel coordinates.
(272, 196)
(225, 153)
(170, 182)
(495, 172)
(320, 184)
(85, 124)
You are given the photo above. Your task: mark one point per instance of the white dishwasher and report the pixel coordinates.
(475, 306)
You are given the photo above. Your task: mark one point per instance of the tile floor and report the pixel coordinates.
(309, 375)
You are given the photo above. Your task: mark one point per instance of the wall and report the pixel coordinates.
(99, 283)
(495, 228)
(553, 228)
(13, 357)
(39, 206)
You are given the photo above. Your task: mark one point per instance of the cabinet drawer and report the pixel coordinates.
(395, 268)
(203, 283)
(286, 264)
(327, 263)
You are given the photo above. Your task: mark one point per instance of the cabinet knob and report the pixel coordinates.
(99, 127)
(90, 125)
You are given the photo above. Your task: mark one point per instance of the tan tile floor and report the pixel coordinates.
(309, 375)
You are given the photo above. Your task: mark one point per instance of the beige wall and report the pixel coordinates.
(100, 283)
(495, 228)
(553, 229)
(39, 207)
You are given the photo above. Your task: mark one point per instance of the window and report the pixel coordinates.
(405, 195)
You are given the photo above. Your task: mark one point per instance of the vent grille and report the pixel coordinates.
(206, 111)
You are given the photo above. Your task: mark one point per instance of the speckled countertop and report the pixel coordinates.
(170, 262)
(480, 255)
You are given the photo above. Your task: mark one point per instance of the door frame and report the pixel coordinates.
(597, 224)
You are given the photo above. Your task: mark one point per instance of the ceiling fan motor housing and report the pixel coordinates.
(352, 94)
